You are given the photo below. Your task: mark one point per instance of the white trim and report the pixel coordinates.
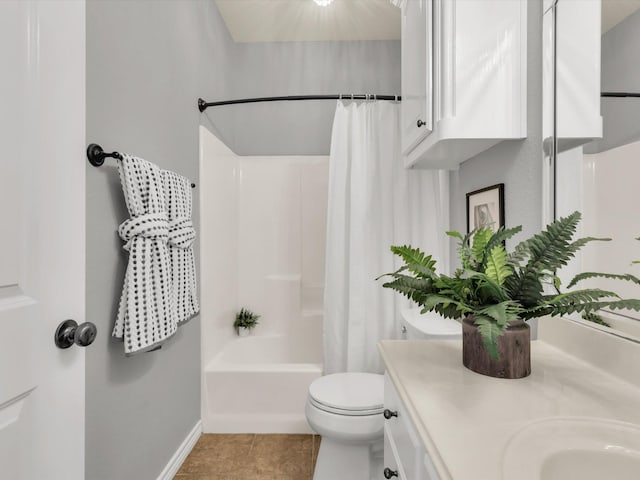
(257, 423)
(181, 454)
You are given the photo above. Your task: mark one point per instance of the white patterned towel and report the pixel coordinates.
(177, 192)
(147, 312)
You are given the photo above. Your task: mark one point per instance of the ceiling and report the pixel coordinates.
(614, 11)
(303, 20)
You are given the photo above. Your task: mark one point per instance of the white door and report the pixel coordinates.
(42, 230)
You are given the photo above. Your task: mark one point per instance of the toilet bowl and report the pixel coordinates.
(346, 410)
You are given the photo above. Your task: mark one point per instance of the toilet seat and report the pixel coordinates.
(342, 411)
(349, 394)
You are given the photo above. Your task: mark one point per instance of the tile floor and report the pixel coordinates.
(251, 457)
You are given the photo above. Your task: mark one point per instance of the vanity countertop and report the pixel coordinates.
(466, 420)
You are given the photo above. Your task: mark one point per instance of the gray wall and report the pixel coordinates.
(299, 68)
(620, 73)
(516, 163)
(147, 63)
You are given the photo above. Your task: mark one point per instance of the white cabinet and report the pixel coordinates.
(417, 104)
(404, 453)
(464, 65)
(578, 67)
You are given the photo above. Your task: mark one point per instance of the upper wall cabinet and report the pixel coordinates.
(417, 74)
(464, 85)
(577, 64)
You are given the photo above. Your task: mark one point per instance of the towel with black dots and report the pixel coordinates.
(147, 314)
(177, 192)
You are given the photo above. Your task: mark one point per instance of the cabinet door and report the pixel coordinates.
(578, 76)
(417, 55)
(391, 460)
(402, 442)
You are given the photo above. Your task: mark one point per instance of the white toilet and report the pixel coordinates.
(346, 410)
(429, 326)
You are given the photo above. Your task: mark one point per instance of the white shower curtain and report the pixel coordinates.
(374, 202)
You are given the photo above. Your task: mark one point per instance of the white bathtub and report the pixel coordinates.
(259, 384)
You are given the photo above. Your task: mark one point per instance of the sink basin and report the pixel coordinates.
(573, 447)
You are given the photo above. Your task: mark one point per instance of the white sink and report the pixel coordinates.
(574, 447)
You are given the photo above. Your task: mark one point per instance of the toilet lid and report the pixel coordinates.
(349, 391)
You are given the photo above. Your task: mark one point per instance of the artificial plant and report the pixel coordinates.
(497, 287)
(245, 318)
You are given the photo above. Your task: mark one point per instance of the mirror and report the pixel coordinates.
(591, 115)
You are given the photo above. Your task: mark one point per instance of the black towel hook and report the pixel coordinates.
(96, 156)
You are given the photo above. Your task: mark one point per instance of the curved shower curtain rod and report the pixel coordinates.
(202, 105)
(620, 94)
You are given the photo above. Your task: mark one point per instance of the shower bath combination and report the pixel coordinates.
(264, 218)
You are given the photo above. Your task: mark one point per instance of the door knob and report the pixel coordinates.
(420, 123)
(69, 332)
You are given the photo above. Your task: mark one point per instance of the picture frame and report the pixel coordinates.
(485, 208)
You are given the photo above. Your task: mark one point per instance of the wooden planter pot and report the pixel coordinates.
(514, 347)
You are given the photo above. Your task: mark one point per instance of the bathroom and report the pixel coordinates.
(210, 404)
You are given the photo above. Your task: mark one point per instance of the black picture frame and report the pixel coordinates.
(485, 208)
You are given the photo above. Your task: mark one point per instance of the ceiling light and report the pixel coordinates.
(323, 3)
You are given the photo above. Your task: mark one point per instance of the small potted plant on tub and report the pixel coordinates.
(495, 292)
(245, 321)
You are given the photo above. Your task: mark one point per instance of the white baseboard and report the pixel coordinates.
(181, 454)
(256, 423)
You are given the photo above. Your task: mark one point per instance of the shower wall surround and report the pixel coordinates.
(263, 237)
(281, 236)
(147, 63)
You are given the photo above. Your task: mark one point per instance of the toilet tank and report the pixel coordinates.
(429, 326)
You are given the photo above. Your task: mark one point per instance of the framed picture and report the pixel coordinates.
(485, 208)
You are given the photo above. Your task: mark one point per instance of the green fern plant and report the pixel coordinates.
(245, 318)
(497, 287)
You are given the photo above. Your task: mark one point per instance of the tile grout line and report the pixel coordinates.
(313, 449)
(253, 441)
(313, 443)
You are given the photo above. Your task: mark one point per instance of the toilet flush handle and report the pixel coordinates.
(389, 413)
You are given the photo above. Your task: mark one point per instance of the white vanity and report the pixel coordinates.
(446, 422)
